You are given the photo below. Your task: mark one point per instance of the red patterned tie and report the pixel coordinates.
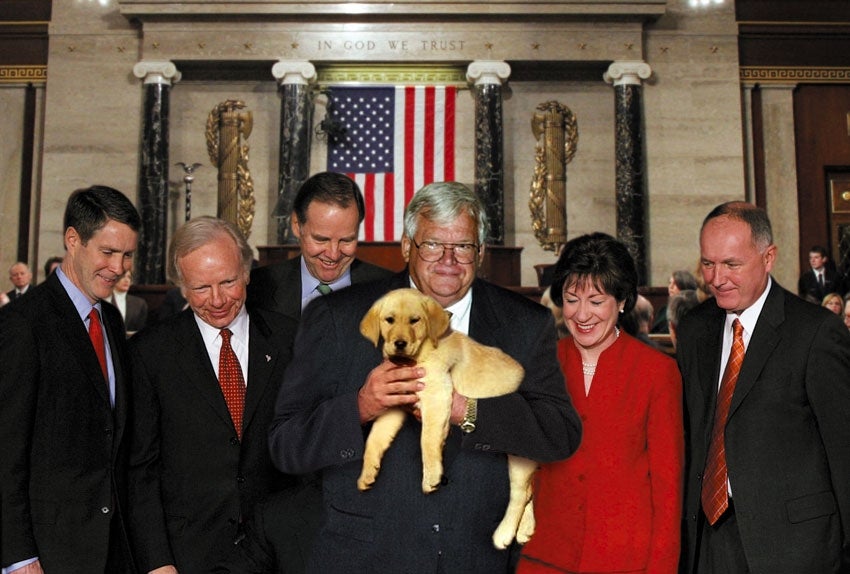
(96, 336)
(715, 498)
(231, 380)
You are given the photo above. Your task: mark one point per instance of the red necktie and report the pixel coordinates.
(231, 380)
(96, 336)
(715, 497)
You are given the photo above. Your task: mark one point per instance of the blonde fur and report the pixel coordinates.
(414, 327)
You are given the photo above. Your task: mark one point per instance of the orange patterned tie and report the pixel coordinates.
(96, 336)
(715, 497)
(231, 380)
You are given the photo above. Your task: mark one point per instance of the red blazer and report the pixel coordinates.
(615, 505)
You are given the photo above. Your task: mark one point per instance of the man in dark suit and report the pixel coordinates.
(199, 459)
(326, 216)
(769, 490)
(20, 276)
(340, 384)
(64, 405)
(821, 280)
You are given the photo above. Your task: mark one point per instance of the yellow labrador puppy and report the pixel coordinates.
(415, 328)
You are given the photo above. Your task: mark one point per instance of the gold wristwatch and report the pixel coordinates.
(467, 425)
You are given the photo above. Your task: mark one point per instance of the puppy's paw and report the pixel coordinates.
(503, 536)
(431, 479)
(526, 525)
(366, 480)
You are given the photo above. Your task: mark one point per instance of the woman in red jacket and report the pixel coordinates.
(615, 505)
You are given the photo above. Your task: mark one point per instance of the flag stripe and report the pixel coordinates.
(396, 140)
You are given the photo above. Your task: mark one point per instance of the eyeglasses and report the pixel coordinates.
(431, 251)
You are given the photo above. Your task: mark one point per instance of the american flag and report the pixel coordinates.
(397, 140)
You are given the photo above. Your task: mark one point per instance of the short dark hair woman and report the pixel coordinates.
(615, 505)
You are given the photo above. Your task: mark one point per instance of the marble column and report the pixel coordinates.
(296, 122)
(626, 77)
(488, 77)
(153, 174)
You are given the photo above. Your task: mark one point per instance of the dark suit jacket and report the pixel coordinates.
(278, 287)
(63, 458)
(279, 535)
(787, 436)
(808, 287)
(394, 527)
(191, 479)
(137, 314)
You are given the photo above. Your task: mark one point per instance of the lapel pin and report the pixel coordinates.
(268, 358)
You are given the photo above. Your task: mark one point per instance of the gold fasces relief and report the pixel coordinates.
(228, 124)
(555, 128)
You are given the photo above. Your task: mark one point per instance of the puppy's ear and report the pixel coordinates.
(438, 320)
(370, 326)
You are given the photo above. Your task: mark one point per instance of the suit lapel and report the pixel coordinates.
(262, 358)
(709, 350)
(484, 321)
(762, 343)
(287, 295)
(77, 337)
(193, 353)
(116, 336)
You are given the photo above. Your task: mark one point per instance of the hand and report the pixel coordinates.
(164, 570)
(31, 568)
(458, 409)
(388, 385)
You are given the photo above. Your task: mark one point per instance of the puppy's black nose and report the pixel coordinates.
(400, 345)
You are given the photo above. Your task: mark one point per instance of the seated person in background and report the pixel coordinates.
(20, 276)
(133, 309)
(821, 279)
(679, 281)
(847, 311)
(679, 304)
(637, 321)
(834, 302)
(50, 266)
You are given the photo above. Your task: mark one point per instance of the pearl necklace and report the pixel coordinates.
(589, 369)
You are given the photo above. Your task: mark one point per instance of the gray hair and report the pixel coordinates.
(442, 202)
(755, 217)
(680, 304)
(196, 233)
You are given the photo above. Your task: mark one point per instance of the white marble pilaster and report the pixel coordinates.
(780, 182)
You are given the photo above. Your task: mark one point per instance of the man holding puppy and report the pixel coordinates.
(340, 384)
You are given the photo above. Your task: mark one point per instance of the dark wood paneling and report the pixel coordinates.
(792, 10)
(25, 10)
(822, 142)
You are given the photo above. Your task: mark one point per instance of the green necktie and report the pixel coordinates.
(324, 288)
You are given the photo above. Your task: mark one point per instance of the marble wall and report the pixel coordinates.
(692, 110)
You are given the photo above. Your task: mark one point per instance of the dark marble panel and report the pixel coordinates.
(630, 181)
(296, 119)
(153, 186)
(489, 157)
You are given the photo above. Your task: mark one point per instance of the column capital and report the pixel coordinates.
(157, 72)
(488, 72)
(294, 72)
(627, 72)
